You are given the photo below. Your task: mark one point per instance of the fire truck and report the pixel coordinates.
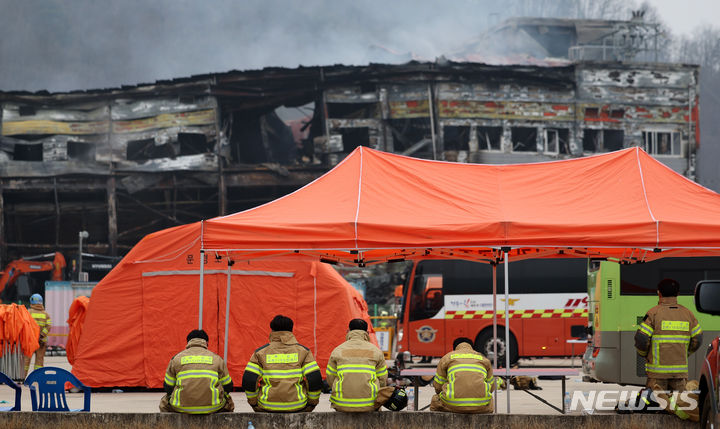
(446, 299)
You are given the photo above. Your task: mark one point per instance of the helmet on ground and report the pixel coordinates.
(398, 400)
(36, 298)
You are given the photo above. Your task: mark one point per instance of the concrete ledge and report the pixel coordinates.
(334, 420)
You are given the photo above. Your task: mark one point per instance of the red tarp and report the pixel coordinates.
(378, 206)
(141, 312)
(76, 320)
(16, 325)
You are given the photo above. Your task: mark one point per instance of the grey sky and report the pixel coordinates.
(682, 16)
(61, 45)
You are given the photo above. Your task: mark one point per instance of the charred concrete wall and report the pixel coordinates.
(538, 115)
(121, 163)
(114, 131)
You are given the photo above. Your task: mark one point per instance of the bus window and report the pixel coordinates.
(528, 276)
(426, 299)
(642, 279)
(433, 294)
(545, 276)
(460, 277)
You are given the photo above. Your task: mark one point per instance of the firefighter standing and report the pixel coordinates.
(357, 373)
(197, 380)
(668, 334)
(464, 381)
(40, 316)
(282, 376)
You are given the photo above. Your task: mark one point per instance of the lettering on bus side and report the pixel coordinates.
(576, 302)
(468, 303)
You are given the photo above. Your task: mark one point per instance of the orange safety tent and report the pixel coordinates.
(377, 206)
(141, 312)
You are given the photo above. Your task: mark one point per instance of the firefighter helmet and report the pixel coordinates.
(36, 299)
(398, 400)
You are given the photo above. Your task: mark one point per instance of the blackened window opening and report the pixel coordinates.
(81, 151)
(193, 143)
(524, 139)
(143, 150)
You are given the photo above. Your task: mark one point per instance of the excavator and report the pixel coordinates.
(31, 264)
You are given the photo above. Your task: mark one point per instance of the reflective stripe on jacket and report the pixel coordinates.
(355, 372)
(197, 376)
(40, 316)
(464, 380)
(282, 376)
(668, 333)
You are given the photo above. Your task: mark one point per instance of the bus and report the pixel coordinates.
(446, 299)
(621, 294)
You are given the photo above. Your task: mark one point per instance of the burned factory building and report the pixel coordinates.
(121, 163)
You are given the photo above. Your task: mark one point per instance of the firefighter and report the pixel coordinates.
(667, 335)
(357, 372)
(464, 381)
(197, 380)
(40, 316)
(282, 376)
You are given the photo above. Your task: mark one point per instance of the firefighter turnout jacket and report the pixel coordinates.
(282, 376)
(464, 382)
(197, 377)
(668, 334)
(40, 316)
(356, 371)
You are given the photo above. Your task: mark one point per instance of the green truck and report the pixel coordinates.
(620, 295)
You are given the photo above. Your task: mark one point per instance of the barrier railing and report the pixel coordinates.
(385, 327)
(12, 362)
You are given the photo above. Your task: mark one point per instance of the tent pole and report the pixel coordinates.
(202, 277)
(227, 308)
(494, 285)
(315, 312)
(507, 330)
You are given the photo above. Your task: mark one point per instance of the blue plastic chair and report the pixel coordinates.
(4, 379)
(51, 389)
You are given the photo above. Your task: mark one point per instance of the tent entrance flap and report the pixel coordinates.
(163, 333)
(243, 323)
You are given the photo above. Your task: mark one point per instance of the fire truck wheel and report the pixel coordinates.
(484, 344)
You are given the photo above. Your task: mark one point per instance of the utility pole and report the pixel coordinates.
(81, 235)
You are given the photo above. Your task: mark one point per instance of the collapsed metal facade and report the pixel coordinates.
(121, 163)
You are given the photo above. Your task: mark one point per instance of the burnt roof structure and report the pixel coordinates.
(555, 39)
